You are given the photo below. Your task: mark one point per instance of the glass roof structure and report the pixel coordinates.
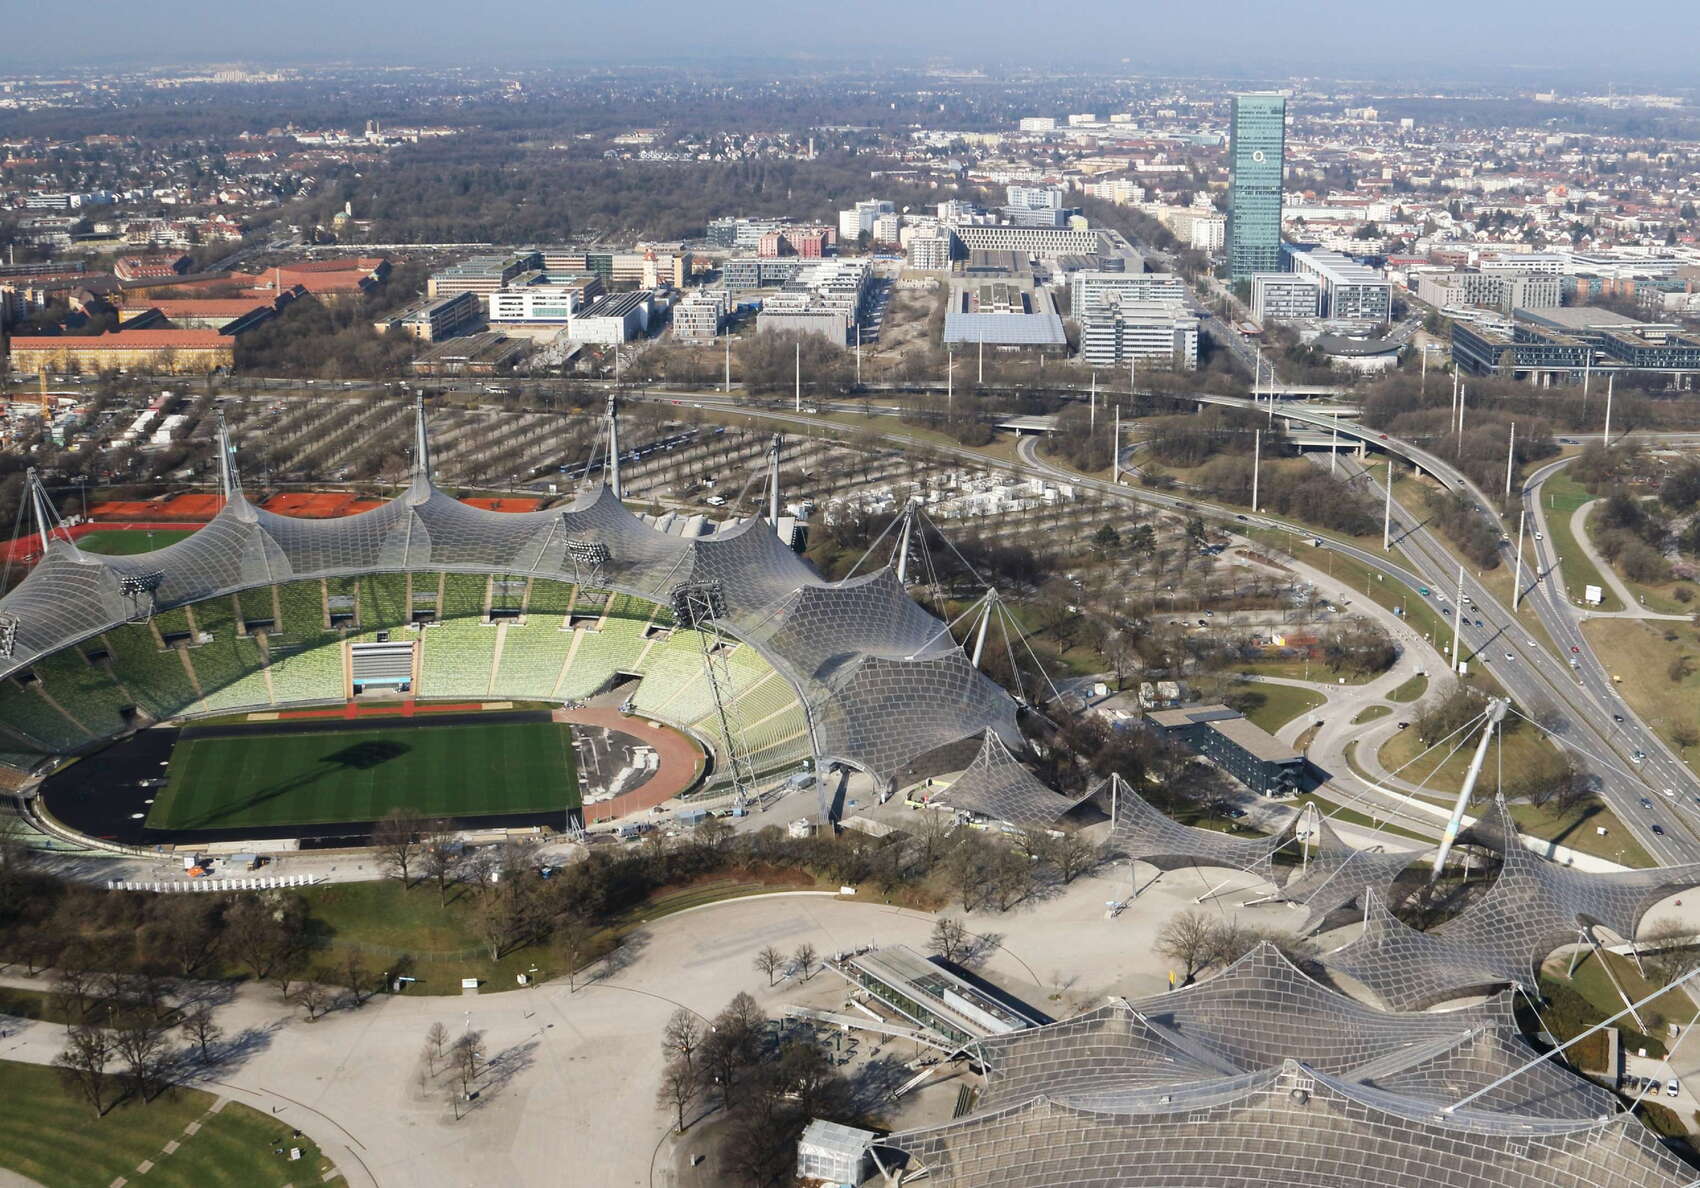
(881, 679)
(1262, 1076)
(997, 786)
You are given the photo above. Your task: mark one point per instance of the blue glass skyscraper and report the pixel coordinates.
(1257, 143)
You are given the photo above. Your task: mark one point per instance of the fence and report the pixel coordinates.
(216, 884)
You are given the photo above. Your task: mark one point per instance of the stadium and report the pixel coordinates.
(310, 675)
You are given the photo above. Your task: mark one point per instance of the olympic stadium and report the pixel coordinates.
(259, 617)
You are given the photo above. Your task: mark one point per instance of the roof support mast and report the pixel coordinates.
(614, 448)
(1495, 714)
(773, 481)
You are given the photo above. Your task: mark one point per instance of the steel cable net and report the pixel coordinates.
(996, 785)
(1263, 1010)
(1533, 907)
(882, 678)
(1337, 874)
(1262, 1076)
(1145, 833)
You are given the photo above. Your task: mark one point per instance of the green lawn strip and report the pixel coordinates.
(1638, 652)
(125, 542)
(53, 1137)
(1411, 690)
(1561, 496)
(1349, 816)
(1593, 984)
(240, 1147)
(1273, 706)
(362, 772)
(1298, 669)
(38, 1004)
(1370, 714)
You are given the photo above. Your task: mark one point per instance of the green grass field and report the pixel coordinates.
(124, 541)
(55, 1139)
(361, 773)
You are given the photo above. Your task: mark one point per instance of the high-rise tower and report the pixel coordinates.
(1257, 145)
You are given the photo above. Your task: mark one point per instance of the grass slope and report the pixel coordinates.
(359, 774)
(54, 1138)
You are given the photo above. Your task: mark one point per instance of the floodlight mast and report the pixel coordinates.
(699, 606)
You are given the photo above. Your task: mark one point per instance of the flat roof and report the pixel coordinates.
(967, 1006)
(1005, 329)
(1577, 317)
(1254, 740)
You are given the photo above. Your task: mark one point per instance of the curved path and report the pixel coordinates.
(1633, 609)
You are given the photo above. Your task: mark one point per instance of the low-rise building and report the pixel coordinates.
(171, 351)
(1284, 296)
(826, 297)
(616, 318)
(432, 319)
(1245, 751)
(488, 353)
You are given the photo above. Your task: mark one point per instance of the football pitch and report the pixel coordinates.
(267, 779)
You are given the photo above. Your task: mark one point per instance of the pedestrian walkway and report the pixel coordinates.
(1634, 609)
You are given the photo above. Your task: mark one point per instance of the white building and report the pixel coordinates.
(1123, 191)
(888, 226)
(1038, 123)
(1033, 197)
(1349, 289)
(1284, 296)
(930, 251)
(619, 317)
(701, 314)
(860, 218)
(1122, 328)
(535, 303)
(1086, 288)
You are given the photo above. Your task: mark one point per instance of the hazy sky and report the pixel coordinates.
(1639, 42)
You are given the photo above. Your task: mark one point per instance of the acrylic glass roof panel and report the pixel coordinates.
(820, 625)
(1337, 874)
(997, 786)
(879, 713)
(1144, 832)
(1409, 969)
(1289, 1126)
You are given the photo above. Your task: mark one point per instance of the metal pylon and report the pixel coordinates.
(699, 606)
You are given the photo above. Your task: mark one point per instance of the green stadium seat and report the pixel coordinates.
(463, 596)
(532, 655)
(457, 658)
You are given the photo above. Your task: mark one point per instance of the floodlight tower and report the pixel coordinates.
(700, 606)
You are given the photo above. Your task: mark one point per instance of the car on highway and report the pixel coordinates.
(1638, 757)
(1509, 656)
(1575, 651)
(1660, 830)
(1538, 536)
(1670, 792)
(1645, 803)
(1617, 718)
(1239, 517)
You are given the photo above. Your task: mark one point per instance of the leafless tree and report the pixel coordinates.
(396, 838)
(84, 1062)
(359, 978)
(1074, 856)
(142, 1047)
(440, 857)
(314, 997)
(950, 938)
(468, 1055)
(682, 1036)
(679, 1086)
(804, 956)
(1188, 939)
(436, 1043)
(770, 961)
(199, 1029)
(574, 941)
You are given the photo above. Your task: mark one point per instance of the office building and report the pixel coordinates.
(1120, 328)
(701, 314)
(1284, 296)
(930, 251)
(1349, 289)
(1502, 290)
(433, 319)
(545, 299)
(1228, 739)
(1038, 123)
(1034, 241)
(482, 275)
(741, 233)
(742, 274)
(1033, 197)
(826, 298)
(175, 351)
(888, 226)
(1256, 155)
(860, 218)
(1088, 287)
(619, 317)
(1004, 309)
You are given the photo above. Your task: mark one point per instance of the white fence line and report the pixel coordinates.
(269, 883)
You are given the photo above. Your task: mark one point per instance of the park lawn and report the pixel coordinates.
(1299, 669)
(1592, 983)
(1446, 776)
(53, 1137)
(359, 774)
(123, 542)
(1638, 651)
(1273, 706)
(1411, 690)
(1371, 713)
(1563, 495)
